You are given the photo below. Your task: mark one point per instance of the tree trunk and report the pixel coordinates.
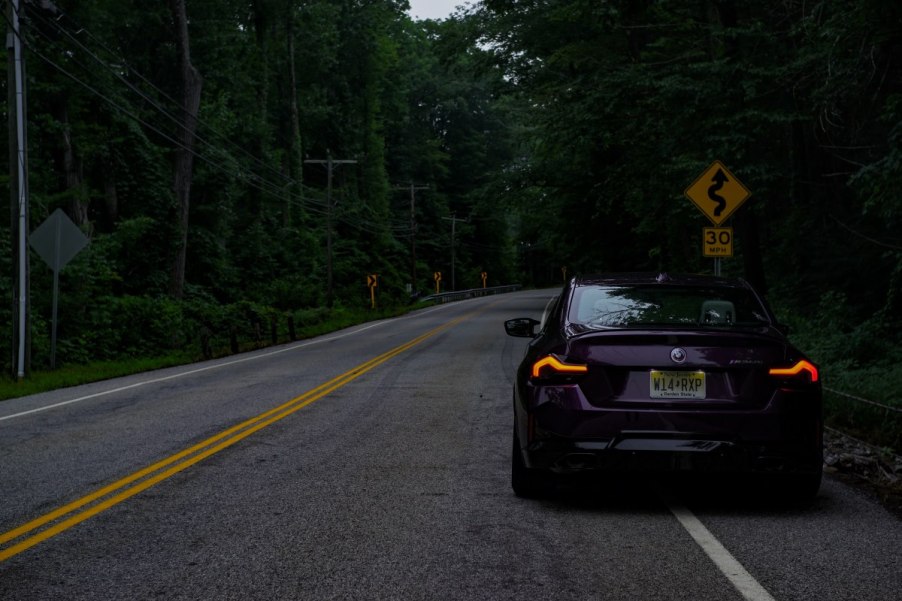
(261, 30)
(191, 83)
(296, 155)
(72, 170)
(111, 195)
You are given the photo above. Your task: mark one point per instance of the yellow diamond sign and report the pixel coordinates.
(717, 193)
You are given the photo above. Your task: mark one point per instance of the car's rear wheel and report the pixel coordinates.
(801, 490)
(797, 490)
(526, 482)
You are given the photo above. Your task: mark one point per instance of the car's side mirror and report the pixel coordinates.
(782, 328)
(522, 327)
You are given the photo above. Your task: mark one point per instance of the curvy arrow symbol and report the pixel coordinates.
(719, 179)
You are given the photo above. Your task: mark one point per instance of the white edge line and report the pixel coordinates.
(738, 576)
(218, 365)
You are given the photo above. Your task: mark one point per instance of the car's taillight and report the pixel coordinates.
(551, 365)
(800, 369)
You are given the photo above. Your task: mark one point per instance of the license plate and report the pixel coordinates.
(676, 384)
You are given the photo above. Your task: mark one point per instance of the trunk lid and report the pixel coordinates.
(659, 369)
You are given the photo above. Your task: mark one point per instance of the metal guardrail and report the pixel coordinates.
(448, 297)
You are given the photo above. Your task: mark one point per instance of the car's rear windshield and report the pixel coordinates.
(665, 305)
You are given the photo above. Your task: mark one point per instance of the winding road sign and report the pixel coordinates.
(717, 193)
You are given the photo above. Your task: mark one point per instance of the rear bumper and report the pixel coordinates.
(647, 452)
(784, 437)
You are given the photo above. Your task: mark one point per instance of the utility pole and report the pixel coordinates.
(19, 174)
(453, 221)
(329, 163)
(413, 231)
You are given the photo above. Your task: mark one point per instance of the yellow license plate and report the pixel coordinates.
(676, 384)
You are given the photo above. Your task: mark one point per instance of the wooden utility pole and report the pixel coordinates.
(19, 191)
(329, 163)
(413, 230)
(453, 221)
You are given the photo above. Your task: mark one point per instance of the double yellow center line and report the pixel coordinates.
(55, 522)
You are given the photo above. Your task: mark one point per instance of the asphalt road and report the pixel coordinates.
(389, 482)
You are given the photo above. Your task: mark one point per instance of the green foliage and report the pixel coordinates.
(620, 105)
(408, 101)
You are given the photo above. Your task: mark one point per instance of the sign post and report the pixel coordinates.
(484, 276)
(437, 276)
(717, 193)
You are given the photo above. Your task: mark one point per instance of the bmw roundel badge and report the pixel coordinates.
(678, 355)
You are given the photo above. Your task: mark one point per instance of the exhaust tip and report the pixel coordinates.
(578, 461)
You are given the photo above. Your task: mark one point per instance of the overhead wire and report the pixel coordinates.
(313, 203)
(263, 184)
(59, 27)
(218, 167)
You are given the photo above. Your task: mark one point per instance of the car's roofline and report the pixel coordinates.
(662, 279)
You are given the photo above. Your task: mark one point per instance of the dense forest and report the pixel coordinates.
(191, 140)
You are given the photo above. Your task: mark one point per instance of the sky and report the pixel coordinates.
(433, 9)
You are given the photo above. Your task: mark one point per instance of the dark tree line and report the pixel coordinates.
(623, 103)
(182, 136)
(563, 131)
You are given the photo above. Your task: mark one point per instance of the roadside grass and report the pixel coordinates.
(75, 374)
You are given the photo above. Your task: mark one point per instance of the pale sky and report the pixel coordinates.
(434, 9)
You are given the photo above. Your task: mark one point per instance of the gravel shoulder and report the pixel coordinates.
(866, 467)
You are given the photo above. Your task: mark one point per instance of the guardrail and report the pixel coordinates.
(448, 297)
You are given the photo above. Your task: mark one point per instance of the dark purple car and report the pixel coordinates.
(638, 372)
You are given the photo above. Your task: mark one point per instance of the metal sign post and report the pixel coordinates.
(717, 242)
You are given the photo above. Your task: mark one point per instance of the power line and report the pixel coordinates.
(263, 184)
(260, 184)
(58, 26)
(240, 174)
(253, 180)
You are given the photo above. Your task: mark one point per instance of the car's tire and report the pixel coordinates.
(803, 489)
(527, 483)
(797, 491)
